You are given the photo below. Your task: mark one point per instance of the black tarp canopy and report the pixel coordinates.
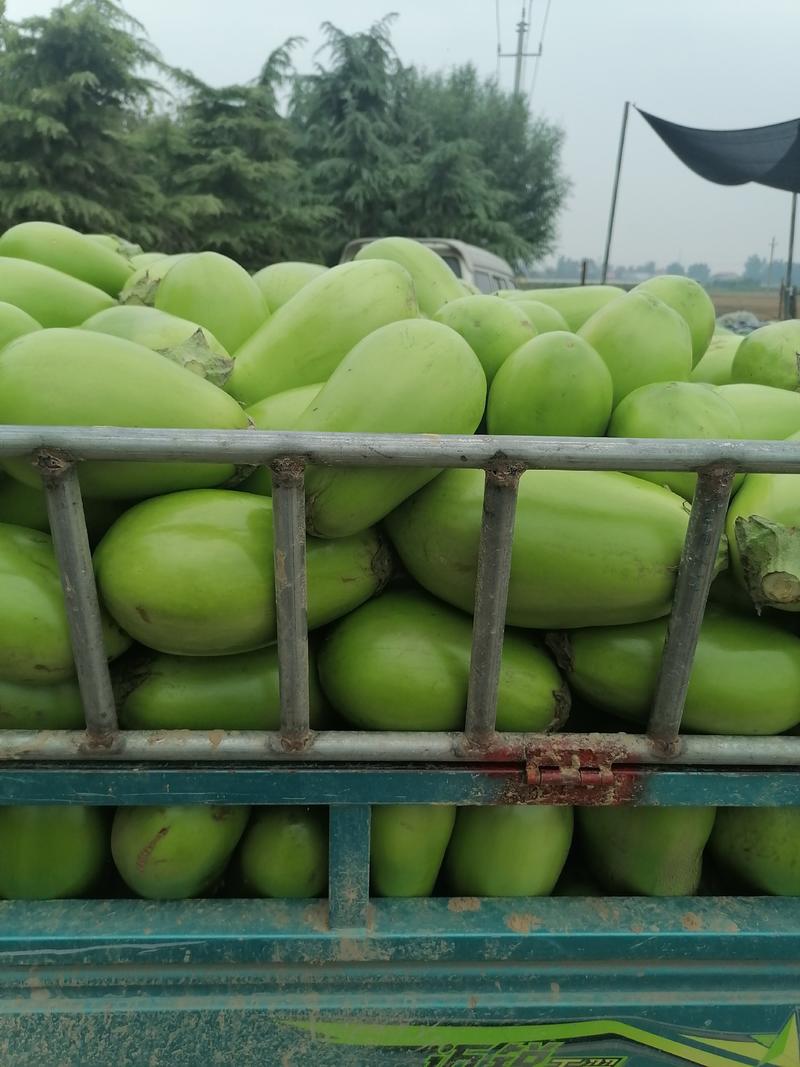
(768, 155)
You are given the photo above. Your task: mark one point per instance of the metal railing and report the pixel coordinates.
(58, 452)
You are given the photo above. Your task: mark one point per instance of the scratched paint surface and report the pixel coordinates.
(114, 785)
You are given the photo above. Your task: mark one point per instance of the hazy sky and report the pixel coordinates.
(709, 63)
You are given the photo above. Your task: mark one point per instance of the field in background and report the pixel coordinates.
(760, 302)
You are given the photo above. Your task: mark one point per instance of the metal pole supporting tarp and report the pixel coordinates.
(786, 310)
(615, 190)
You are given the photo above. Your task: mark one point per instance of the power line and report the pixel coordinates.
(539, 53)
(497, 20)
(528, 20)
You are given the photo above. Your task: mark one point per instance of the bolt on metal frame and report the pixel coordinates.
(58, 452)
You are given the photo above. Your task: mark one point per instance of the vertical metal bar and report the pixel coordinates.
(491, 596)
(348, 865)
(786, 312)
(695, 574)
(71, 545)
(615, 191)
(289, 535)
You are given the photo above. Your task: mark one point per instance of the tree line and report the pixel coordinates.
(100, 133)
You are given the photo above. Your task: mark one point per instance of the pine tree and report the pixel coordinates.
(71, 84)
(233, 146)
(355, 133)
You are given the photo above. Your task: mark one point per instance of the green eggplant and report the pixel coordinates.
(492, 328)
(765, 413)
(49, 296)
(575, 303)
(555, 385)
(284, 853)
(22, 505)
(281, 281)
(127, 249)
(79, 378)
(307, 338)
(239, 692)
(401, 662)
(147, 259)
(277, 412)
(14, 323)
(515, 850)
(692, 303)
(434, 282)
(768, 356)
(764, 539)
(641, 340)
(542, 317)
(725, 592)
(407, 847)
(142, 286)
(716, 365)
(761, 847)
(652, 852)
(745, 678)
(185, 343)
(105, 240)
(51, 852)
(590, 548)
(40, 707)
(173, 853)
(215, 292)
(192, 573)
(68, 251)
(35, 645)
(692, 410)
(408, 377)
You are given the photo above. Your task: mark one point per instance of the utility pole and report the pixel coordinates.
(519, 55)
(771, 259)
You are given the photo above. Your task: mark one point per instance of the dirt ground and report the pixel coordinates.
(760, 302)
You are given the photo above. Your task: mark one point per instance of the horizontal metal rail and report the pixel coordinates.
(58, 451)
(342, 746)
(398, 450)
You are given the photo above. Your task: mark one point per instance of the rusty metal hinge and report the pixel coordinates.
(569, 776)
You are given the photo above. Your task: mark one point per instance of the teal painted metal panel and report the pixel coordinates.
(349, 866)
(440, 983)
(303, 784)
(211, 932)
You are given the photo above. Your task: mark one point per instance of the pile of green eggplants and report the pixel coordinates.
(96, 332)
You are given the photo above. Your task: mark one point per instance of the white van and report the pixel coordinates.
(474, 265)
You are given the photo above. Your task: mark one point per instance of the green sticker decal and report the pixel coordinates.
(553, 1044)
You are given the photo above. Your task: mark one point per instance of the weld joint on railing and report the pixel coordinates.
(505, 474)
(720, 473)
(288, 471)
(293, 742)
(52, 464)
(666, 748)
(106, 741)
(475, 744)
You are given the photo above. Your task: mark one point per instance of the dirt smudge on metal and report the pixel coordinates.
(522, 922)
(690, 920)
(459, 905)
